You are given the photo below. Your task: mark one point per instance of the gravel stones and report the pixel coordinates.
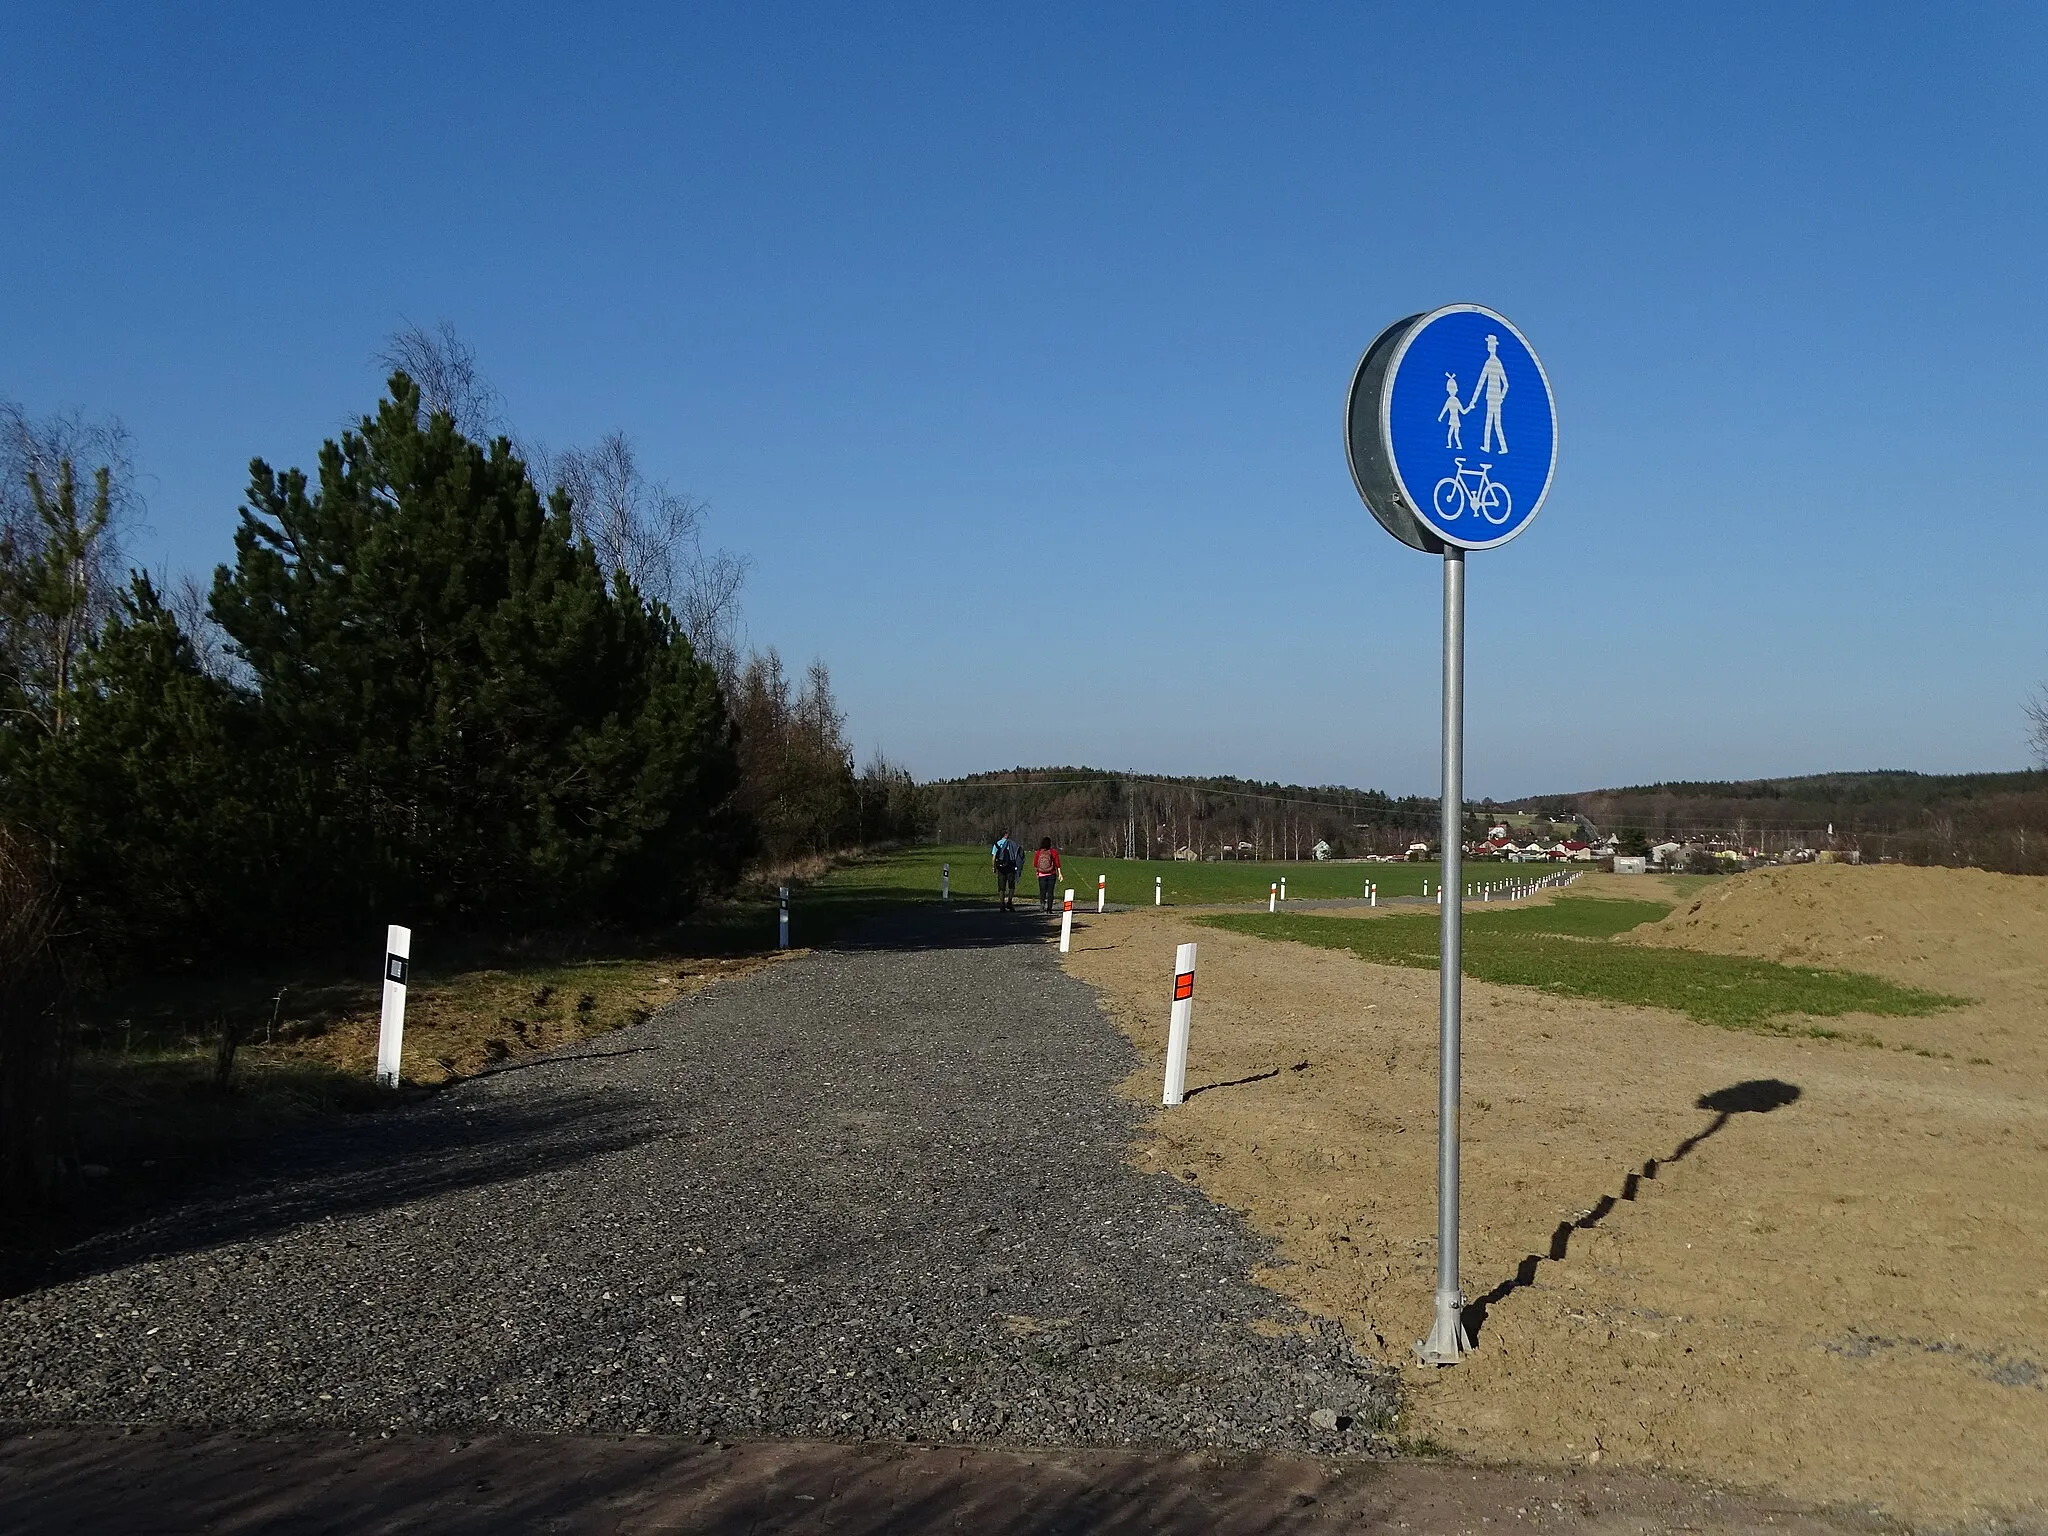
(875, 1193)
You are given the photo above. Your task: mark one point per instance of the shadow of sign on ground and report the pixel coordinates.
(1758, 1096)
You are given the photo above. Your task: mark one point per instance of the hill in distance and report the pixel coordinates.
(1995, 820)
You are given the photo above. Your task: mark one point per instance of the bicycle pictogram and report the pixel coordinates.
(1473, 490)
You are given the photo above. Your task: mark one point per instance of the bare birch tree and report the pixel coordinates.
(189, 601)
(636, 524)
(656, 536)
(444, 366)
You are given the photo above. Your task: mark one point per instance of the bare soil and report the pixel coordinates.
(1675, 1261)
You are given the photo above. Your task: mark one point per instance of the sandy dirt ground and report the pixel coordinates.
(1841, 1295)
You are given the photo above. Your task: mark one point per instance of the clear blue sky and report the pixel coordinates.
(1011, 341)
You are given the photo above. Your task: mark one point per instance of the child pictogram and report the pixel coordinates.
(1453, 410)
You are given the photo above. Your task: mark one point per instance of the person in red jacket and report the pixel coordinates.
(1046, 863)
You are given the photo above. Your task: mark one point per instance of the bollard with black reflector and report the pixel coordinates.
(391, 1027)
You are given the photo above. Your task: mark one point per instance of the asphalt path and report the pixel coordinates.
(875, 1194)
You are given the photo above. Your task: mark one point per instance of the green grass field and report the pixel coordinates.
(1563, 947)
(915, 871)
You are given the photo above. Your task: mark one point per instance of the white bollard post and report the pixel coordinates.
(1158, 891)
(945, 882)
(1067, 924)
(782, 924)
(1283, 887)
(391, 1029)
(1177, 1025)
(1273, 898)
(1101, 892)
(1372, 893)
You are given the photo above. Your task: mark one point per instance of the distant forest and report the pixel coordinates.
(1990, 820)
(1121, 815)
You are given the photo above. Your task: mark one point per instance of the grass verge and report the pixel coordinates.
(917, 872)
(1563, 948)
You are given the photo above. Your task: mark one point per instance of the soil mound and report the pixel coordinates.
(1955, 930)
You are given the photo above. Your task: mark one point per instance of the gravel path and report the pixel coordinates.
(880, 1192)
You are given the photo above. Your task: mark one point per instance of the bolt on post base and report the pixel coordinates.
(1448, 1342)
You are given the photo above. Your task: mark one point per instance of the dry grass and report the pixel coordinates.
(154, 1091)
(477, 1019)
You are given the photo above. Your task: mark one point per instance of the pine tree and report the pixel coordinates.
(461, 716)
(161, 834)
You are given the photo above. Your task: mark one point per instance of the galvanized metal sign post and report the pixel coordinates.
(1439, 487)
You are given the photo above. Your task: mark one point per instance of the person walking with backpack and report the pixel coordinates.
(1008, 858)
(1046, 864)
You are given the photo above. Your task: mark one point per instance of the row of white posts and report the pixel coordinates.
(1275, 895)
(1508, 890)
(1181, 1019)
(398, 957)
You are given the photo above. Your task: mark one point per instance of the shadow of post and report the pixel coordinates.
(1757, 1096)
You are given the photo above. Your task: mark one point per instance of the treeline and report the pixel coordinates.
(1115, 815)
(1996, 821)
(430, 689)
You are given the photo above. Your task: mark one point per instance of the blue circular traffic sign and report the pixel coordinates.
(1452, 430)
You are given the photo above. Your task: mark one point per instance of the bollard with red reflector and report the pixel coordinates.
(1273, 898)
(1177, 1027)
(1067, 924)
(1101, 892)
